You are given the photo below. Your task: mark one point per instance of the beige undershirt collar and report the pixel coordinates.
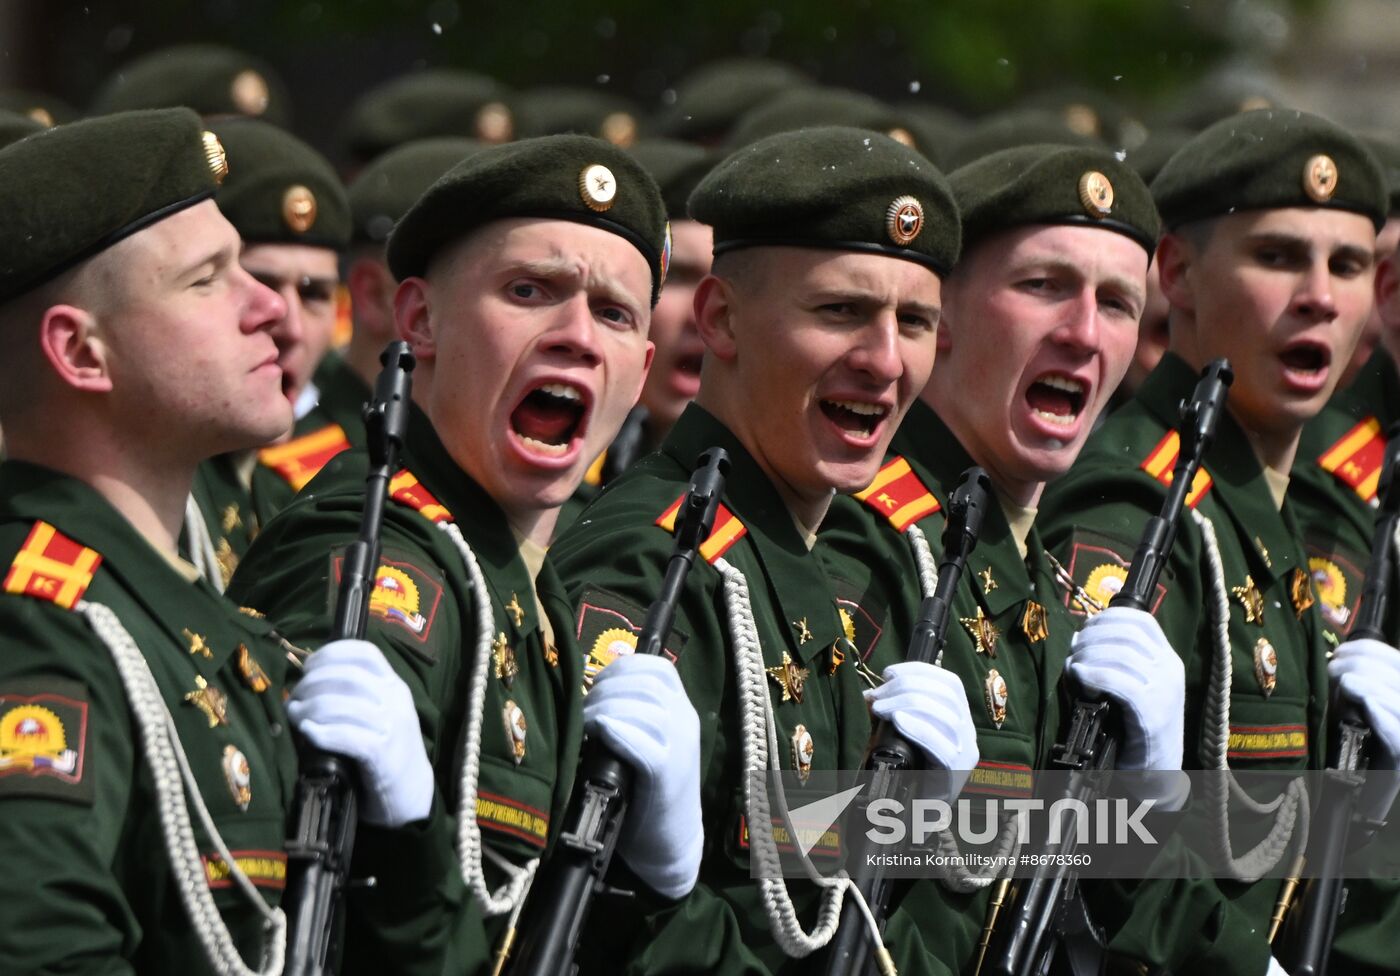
(532, 555)
(1278, 485)
(1020, 519)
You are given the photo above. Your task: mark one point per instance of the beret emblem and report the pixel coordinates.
(598, 187)
(904, 219)
(619, 128)
(1096, 194)
(1320, 178)
(249, 92)
(494, 123)
(299, 208)
(214, 153)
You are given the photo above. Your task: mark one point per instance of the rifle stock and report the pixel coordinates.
(318, 853)
(568, 882)
(1026, 944)
(851, 950)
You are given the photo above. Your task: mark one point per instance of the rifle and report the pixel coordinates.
(1025, 945)
(1315, 923)
(890, 752)
(571, 878)
(318, 853)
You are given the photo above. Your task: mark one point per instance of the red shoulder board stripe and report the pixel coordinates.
(1357, 458)
(301, 458)
(1160, 462)
(50, 566)
(898, 495)
(405, 489)
(727, 530)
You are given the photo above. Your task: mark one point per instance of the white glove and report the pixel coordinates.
(639, 710)
(350, 702)
(1275, 969)
(928, 706)
(1122, 654)
(1368, 673)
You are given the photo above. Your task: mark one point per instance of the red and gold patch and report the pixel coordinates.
(43, 740)
(405, 595)
(301, 458)
(1099, 567)
(265, 869)
(727, 530)
(1267, 742)
(1357, 457)
(50, 566)
(898, 495)
(1160, 462)
(405, 489)
(508, 816)
(1001, 779)
(608, 628)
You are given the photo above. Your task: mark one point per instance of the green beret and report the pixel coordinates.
(553, 111)
(712, 98)
(14, 127)
(1270, 159)
(210, 79)
(677, 167)
(426, 105)
(1050, 184)
(1386, 149)
(1160, 145)
(45, 109)
(809, 108)
(936, 129)
(1019, 127)
(564, 177)
(388, 186)
(848, 189)
(1086, 112)
(1221, 94)
(72, 191)
(279, 190)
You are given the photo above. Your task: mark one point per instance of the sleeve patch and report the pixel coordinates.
(898, 495)
(265, 869)
(1099, 568)
(862, 616)
(300, 459)
(1337, 578)
(511, 817)
(43, 740)
(608, 627)
(406, 596)
(1001, 779)
(50, 566)
(1267, 742)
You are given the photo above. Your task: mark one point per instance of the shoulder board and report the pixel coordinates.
(1162, 459)
(727, 530)
(1357, 457)
(50, 566)
(898, 495)
(405, 489)
(594, 475)
(302, 457)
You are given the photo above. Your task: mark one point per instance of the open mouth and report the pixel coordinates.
(549, 417)
(854, 417)
(1057, 399)
(1306, 358)
(690, 364)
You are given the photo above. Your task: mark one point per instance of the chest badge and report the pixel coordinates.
(1034, 623)
(1300, 592)
(197, 644)
(803, 748)
(209, 700)
(983, 631)
(253, 674)
(789, 677)
(1251, 599)
(996, 696)
(1265, 666)
(515, 730)
(503, 658)
(239, 776)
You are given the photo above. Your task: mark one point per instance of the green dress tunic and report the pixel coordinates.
(1278, 686)
(90, 887)
(420, 917)
(612, 560)
(1008, 635)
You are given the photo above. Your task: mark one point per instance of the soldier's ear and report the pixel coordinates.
(1388, 290)
(714, 316)
(1176, 257)
(371, 287)
(74, 347)
(413, 319)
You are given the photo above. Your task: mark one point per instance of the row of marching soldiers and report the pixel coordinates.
(173, 545)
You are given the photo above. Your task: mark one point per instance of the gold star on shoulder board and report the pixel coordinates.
(988, 584)
(804, 633)
(789, 677)
(210, 701)
(983, 631)
(516, 611)
(197, 644)
(503, 657)
(1252, 601)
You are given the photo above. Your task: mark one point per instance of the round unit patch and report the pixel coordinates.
(597, 187)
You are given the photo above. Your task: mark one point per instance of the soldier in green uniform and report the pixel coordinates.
(145, 758)
(1271, 219)
(530, 336)
(1039, 323)
(287, 204)
(819, 322)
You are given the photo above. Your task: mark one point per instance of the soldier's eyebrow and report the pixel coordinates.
(216, 261)
(562, 270)
(1365, 256)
